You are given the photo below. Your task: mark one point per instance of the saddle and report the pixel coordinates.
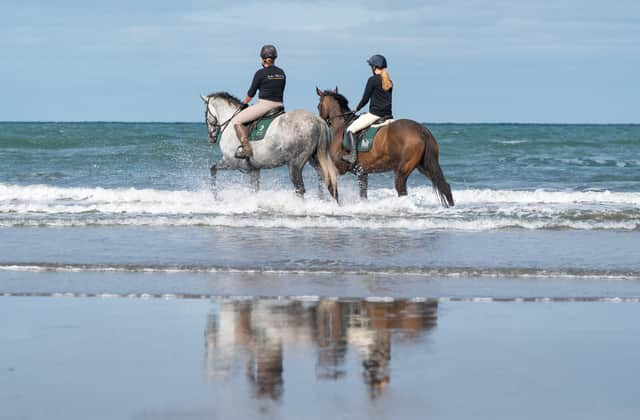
(258, 128)
(364, 138)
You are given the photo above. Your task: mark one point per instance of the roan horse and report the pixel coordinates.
(292, 139)
(401, 146)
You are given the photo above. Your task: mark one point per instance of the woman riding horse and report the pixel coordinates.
(379, 89)
(270, 80)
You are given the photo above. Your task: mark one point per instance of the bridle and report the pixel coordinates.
(214, 128)
(330, 118)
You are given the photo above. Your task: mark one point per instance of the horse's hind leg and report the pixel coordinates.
(401, 183)
(295, 173)
(401, 175)
(403, 171)
(316, 167)
(255, 180)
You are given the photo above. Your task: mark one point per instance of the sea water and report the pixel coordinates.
(529, 198)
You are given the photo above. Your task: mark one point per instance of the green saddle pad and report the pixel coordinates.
(364, 139)
(260, 127)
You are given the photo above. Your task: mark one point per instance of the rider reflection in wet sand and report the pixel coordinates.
(260, 332)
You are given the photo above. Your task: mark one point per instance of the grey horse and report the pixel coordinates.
(292, 139)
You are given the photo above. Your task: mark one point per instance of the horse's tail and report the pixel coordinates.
(433, 171)
(328, 168)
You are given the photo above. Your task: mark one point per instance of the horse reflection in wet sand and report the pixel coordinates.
(259, 331)
(262, 353)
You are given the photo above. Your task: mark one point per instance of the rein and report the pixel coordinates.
(220, 126)
(331, 118)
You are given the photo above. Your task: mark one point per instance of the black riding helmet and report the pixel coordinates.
(268, 51)
(378, 61)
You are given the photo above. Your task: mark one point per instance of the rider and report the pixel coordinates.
(379, 88)
(270, 81)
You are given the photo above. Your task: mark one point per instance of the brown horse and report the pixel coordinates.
(401, 146)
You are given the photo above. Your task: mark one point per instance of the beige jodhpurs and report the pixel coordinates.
(363, 121)
(255, 111)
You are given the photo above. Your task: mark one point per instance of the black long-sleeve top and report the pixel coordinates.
(270, 81)
(380, 99)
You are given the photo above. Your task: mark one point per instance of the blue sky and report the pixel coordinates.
(451, 61)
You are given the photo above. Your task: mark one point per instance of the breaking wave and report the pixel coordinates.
(476, 209)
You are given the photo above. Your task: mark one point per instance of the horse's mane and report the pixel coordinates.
(342, 101)
(229, 97)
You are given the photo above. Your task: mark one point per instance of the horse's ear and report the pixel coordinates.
(319, 92)
(336, 89)
(205, 99)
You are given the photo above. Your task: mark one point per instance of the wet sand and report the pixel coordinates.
(79, 358)
(338, 250)
(201, 323)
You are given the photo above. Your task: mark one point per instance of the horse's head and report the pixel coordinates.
(219, 109)
(332, 105)
(210, 119)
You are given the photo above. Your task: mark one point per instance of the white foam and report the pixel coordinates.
(453, 272)
(380, 299)
(476, 209)
(511, 141)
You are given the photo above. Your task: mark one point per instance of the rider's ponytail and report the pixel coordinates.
(386, 81)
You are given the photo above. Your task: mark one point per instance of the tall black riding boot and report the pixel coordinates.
(352, 155)
(244, 151)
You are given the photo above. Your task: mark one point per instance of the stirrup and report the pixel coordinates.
(241, 154)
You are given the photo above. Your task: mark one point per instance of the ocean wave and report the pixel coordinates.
(476, 209)
(510, 141)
